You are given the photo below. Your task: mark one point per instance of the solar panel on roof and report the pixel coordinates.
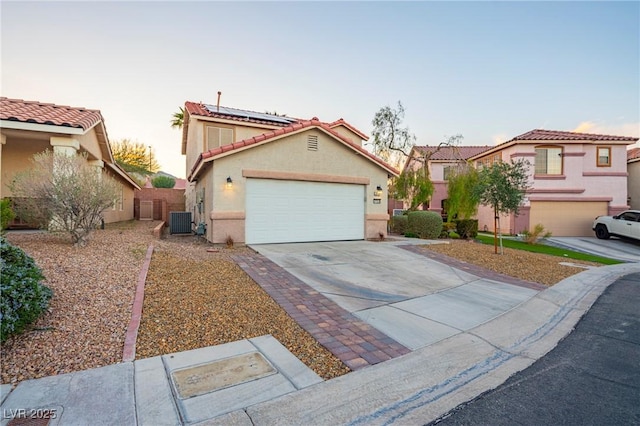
(249, 114)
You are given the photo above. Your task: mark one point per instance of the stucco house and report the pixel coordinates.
(441, 161)
(573, 178)
(633, 181)
(29, 127)
(263, 178)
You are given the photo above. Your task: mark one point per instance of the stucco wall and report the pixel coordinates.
(633, 184)
(288, 155)
(346, 132)
(16, 156)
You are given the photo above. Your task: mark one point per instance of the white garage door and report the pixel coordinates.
(282, 211)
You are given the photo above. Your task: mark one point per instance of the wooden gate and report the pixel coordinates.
(146, 210)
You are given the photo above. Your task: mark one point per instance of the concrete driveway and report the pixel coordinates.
(410, 298)
(614, 248)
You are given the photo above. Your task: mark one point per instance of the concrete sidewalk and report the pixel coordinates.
(258, 382)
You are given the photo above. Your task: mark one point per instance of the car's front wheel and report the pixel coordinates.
(602, 232)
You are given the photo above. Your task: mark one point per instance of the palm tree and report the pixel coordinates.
(178, 118)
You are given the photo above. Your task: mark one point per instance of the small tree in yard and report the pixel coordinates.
(64, 193)
(502, 186)
(462, 200)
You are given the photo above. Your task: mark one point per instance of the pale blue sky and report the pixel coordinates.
(487, 70)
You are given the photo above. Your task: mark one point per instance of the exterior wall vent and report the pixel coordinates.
(312, 142)
(180, 222)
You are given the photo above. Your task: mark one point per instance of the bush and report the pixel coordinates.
(536, 235)
(24, 298)
(454, 235)
(6, 214)
(399, 224)
(163, 182)
(467, 228)
(424, 224)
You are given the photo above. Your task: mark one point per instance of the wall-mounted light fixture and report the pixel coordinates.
(229, 182)
(378, 191)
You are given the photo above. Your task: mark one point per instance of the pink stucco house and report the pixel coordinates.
(633, 182)
(573, 178)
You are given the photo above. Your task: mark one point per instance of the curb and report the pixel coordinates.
(129, 351)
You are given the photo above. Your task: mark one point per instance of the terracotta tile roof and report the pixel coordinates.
(633, 154)
(201, 109)
(341, 122)
(274, 134)
(555, 135)
(54, 115)
(453, 152)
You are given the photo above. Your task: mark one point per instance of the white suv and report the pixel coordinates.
(626, 224)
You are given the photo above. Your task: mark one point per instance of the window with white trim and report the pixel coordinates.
(548, 160)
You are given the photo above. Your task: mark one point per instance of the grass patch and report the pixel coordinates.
(550, 250)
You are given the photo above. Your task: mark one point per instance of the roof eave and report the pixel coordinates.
(37, 127)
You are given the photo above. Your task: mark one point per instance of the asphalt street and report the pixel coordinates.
(591, 378)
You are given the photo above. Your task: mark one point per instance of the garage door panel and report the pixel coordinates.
(291, 211)
(567, 218)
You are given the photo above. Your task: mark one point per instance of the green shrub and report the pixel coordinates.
(23, 297)
(399, 224)
(424, 224)
(163, 182)
(454, 235)
(467, 228)
(6, 214)
(411, 235)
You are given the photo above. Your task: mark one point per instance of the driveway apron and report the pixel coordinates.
(412, 299)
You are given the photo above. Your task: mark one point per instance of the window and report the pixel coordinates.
(604, 156)
(548, 160)
(489, 160)
(218, 136)
(630, 216)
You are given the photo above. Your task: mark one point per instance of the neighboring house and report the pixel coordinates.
(573, 178)
(264, 178)
(441, 162)
(30, 127)
(633, 181)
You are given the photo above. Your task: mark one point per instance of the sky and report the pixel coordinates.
(488, 71)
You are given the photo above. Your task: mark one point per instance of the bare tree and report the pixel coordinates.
(64, 193)
(394, 143)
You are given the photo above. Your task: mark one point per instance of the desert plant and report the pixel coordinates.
(399, 224)
(467, 228)
(24, 298)
(163, 182)
(534, 237)
(425, 224)
(6, 214)
(64, 193)
(229, 241)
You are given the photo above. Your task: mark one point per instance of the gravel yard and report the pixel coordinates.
(535, 267)
(193, 298)
(93, 290)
